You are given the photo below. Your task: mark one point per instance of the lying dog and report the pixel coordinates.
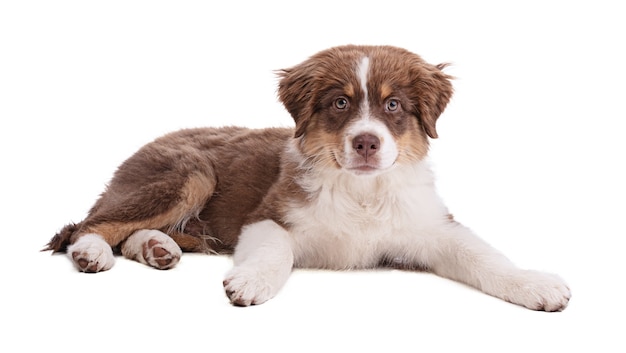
(348, 188)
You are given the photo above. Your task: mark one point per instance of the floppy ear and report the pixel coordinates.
(433, 90)
(296, 90)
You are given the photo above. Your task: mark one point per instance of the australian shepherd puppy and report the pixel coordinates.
(347, 188)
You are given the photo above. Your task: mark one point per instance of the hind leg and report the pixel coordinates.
(132, 221)
(152, 247)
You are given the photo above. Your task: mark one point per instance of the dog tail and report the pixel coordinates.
(61, 240)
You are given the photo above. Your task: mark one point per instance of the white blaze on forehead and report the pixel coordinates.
(362, 71)
(388, 151)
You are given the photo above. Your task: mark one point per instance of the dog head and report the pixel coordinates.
(365, 108)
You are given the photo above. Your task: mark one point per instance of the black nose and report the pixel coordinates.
(366, 145)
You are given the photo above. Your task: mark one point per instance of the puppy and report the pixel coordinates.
(347, 188)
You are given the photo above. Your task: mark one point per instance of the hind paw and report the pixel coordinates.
(90, 253)
(153, 248)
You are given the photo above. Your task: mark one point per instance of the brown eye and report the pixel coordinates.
(392, 105)
(341, 103)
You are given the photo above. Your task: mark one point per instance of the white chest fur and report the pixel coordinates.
(352, 221)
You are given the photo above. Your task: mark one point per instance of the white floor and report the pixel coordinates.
(530, 156)
(132, 307)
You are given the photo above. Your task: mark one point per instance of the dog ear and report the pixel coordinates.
(295, 91)
(433, 90)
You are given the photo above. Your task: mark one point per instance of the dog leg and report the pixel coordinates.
(91, 253)
(263, 260)
(460, 255)
(152, 247)
(118, 215)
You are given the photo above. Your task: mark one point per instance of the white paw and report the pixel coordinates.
(537, 291)
(246, 286)
(90, 253)
(153, 248)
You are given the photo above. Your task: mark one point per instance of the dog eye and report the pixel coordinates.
(341, 103)
(392, 105)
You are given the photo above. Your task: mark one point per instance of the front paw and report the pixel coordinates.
(245, 287)
(537, 291)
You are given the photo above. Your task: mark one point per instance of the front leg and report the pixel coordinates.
(263, 261)
(456, 253)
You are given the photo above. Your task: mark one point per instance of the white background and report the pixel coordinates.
(530, 156)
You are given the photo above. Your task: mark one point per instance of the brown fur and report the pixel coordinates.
(302, 87)
(200, 186)
(182, 183)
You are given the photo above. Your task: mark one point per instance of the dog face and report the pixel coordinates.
(363, 109)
